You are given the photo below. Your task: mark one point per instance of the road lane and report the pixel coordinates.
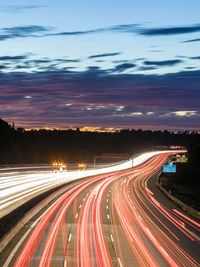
(112, 220)
(17, 187)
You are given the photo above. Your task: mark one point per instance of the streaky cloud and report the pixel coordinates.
(144, 68)
(62, 60)
(18, 8)
(191, 40)
(96, 97)
(128, 28)
(170, 30)
(124, 66)
(198, 57)
(23, 32)
(42, 31)
(163, 63)
(136, 29)
(105, 55)
(68, 33)
(13, 58)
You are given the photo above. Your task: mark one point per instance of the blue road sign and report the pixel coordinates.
(169, 168)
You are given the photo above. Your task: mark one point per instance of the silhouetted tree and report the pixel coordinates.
(44, 146)
(194, 151)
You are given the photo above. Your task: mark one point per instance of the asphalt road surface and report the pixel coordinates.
(18, 184)
(113, 219)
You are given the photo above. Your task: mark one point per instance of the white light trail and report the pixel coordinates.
(16, 188)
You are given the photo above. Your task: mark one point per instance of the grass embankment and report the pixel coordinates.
(184, 184)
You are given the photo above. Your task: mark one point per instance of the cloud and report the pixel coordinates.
(136, 29)
(184, 113)
(14, 63)
(129, 114)
(156, 51)
(171, 30)
(128, 28)
(124, 66)
(23, 32)
(75, 33)
(136, 114)
(13, 58)
(124, 27)
(42, 31)
(195, 57)
(104, 99)
(15, 8)
(149, 113)
(62, 60)
(120, 61)
(105, 55)
(39, 61)
(190, 68)
(10, 62)
(162, 63)
(144, 68)
(191, 40)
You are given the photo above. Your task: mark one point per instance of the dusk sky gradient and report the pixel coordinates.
(100, 65)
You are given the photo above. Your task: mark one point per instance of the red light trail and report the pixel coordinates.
(115, 220)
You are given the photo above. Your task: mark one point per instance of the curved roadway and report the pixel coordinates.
(113, 219)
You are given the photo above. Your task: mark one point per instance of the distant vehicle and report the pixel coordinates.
(59, 167)
(82, 166)
(175, 147)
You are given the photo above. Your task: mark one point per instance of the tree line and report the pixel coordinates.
(72, 146)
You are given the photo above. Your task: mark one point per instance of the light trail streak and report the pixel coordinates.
(15, 188)
(122, 198)
(118, 215)
(38, 231)
(188, 219)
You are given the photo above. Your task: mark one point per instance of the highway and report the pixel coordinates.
(20, 184)
(112, 219)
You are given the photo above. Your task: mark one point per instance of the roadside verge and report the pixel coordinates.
(177, 201)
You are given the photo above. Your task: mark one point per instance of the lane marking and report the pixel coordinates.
(76, 215)
(107, 207)
(111, 237)
(69, 238)
(145, 184)
(108, 216)
(120, 263)
(80, 206)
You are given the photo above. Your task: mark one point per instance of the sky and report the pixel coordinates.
(100, 65)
